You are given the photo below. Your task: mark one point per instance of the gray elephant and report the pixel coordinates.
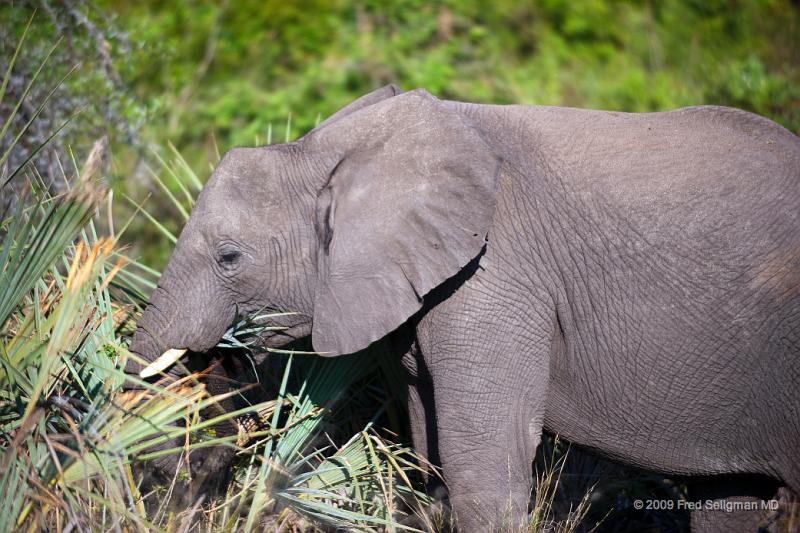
(628, 281)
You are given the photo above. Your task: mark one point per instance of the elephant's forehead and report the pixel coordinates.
(222, 215)
(230, 209)
(232, 187)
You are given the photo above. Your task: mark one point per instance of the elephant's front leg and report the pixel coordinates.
(490, 375)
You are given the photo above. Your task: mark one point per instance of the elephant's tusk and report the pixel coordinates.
(164, 361)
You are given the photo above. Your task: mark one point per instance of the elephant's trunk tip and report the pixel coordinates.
(164, 361)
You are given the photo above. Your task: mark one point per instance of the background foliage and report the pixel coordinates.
(264, 60)
(207, 75)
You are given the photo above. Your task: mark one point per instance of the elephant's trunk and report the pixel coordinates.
(145, 346)
(158, 331)
(181, 316)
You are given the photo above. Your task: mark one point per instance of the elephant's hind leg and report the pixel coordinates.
(733, 504)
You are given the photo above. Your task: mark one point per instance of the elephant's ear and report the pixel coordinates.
(378, 95)
(408, 205)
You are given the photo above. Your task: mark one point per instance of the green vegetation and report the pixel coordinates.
(207, 75)
(174, 84)
(234, 68)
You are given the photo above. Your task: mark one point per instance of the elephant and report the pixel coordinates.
(629, 281)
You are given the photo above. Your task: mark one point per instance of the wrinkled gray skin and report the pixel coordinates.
(629, 281)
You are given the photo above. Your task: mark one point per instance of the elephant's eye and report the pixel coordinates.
(229, 258)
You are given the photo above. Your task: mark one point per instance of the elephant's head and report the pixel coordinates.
(348, 227)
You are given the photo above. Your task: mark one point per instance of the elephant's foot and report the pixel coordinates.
(488, 511)
(488, 477)
(489, 486)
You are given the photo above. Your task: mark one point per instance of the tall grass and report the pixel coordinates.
(72, 439)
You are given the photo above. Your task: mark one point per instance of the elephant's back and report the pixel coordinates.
(709, 190)
(697, 168)
(661, 161)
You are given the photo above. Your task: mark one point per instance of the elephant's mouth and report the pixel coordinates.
(278, 338)
(271, 338)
